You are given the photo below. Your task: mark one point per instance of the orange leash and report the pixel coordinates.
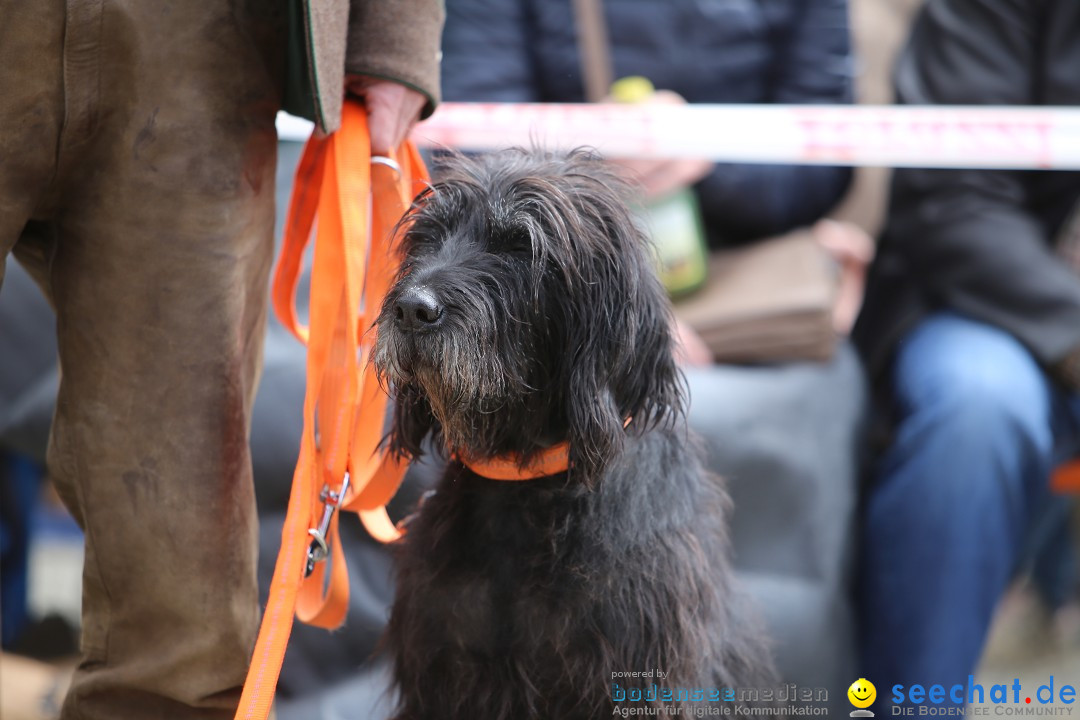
(340, 465)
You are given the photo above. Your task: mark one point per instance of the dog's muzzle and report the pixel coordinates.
(417, 308)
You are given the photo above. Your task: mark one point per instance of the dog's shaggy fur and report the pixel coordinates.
(527, 312)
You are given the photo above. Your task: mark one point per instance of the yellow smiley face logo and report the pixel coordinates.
(862, 693)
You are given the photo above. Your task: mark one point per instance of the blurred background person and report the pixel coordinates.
(784, 435)
(971, 329)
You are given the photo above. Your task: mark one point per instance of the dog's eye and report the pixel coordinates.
(515, 242)
(418, 242)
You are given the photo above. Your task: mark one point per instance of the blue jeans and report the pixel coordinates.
(962, 488)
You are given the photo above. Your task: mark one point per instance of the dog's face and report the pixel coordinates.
(526, 312)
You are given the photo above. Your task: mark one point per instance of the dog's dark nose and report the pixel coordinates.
(417, 308)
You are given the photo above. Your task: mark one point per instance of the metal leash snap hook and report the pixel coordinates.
(319, 550)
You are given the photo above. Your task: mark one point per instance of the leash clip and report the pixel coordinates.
(319, 550)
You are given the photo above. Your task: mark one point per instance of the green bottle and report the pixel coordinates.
(674, 221)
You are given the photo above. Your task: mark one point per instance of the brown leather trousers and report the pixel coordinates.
(137, 159)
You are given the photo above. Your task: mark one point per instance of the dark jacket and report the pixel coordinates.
(708, 51)
(978, 241)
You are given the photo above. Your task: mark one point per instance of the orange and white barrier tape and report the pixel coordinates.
(896, 136)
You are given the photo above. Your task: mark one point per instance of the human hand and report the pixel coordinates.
(853, 250)
(662, 176)
(392, 110)
(690, 349)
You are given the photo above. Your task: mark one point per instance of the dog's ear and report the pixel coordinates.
(624, 369)
(647, 385)
(620, 345)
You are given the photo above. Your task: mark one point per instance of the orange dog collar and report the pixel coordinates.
(551, 461)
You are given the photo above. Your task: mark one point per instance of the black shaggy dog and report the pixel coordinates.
(527, 314)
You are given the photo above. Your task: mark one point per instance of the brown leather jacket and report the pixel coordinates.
(328, 39)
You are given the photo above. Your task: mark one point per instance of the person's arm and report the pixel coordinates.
(966, 234)
(486, 52)
(813, 65)
(397, 41)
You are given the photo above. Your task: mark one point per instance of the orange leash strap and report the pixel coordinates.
(340, 465)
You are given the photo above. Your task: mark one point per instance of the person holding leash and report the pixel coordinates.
(137, 162)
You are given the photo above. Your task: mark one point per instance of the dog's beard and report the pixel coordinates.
(463, 379)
